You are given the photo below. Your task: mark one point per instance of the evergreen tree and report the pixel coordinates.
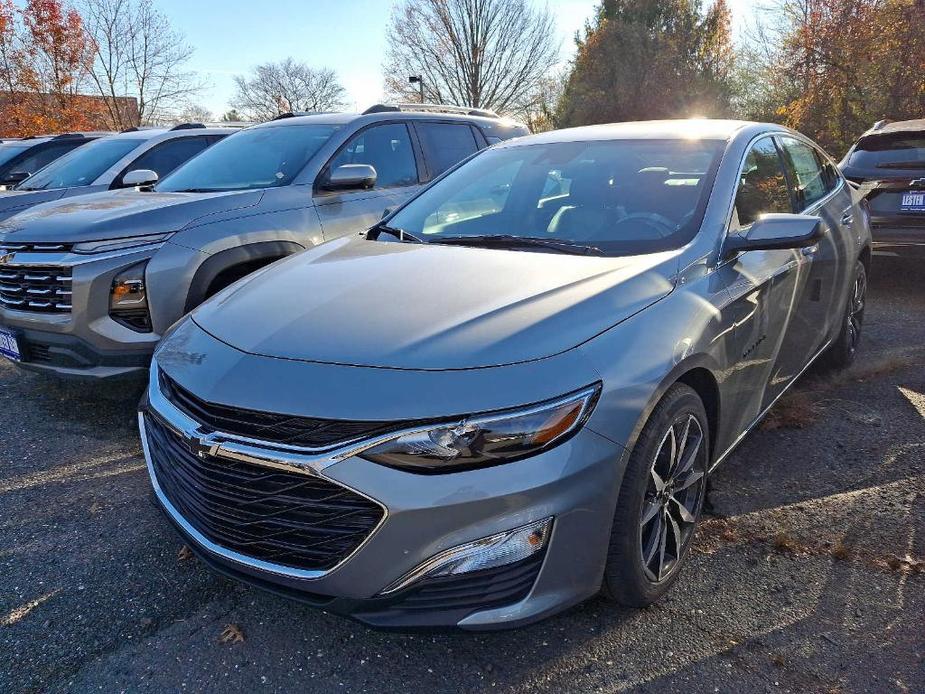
(644, 59)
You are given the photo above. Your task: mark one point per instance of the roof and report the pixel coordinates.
(345, 118)
(702, 129)
(898, 127)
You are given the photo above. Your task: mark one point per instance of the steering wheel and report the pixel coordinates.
(661, 227)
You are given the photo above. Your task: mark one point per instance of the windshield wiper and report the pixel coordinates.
(400, 234)
(511, 241)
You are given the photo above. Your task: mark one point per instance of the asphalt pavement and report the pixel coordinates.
(809, 577)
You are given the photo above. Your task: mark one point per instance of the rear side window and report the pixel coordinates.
(890, 151)
(445, 144)
(167, 156)
(805, 172)
(763, 185)
(387, 148)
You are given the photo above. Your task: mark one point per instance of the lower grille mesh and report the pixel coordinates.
(286, 518)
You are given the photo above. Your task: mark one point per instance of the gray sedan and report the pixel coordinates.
(508, 395)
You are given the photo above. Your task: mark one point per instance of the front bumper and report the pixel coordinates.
(576, 484)
(83, 341)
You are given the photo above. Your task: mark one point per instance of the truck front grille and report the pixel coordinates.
(35, 288)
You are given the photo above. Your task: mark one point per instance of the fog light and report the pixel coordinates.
(489, 552)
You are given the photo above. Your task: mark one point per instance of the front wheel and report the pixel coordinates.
(660, 500)
(845, 348)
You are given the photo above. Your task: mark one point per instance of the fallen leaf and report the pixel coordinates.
(184, 553)
(231, 634)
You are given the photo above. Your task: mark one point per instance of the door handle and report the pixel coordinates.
(847, 219)
(810, 250)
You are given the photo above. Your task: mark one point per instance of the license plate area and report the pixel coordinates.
(913, 201)
(9, 345)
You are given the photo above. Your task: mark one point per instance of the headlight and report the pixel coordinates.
(119, 244)
(128, 300)
(483, 440)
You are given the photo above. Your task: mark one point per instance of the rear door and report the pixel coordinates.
(816, 193)
(389, 149)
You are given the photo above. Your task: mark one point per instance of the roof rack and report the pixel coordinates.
(431, 108)
(230, 124)
(186, 126)
(298, 114)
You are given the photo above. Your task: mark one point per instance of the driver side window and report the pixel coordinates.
(387, 148)
(762, 186)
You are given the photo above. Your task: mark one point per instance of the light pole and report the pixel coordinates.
(419, 80)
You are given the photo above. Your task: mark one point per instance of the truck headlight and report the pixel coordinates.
(120, 244)
(489, 439)
(128, 300)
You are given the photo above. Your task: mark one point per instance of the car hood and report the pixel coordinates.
(13, 201)
(116, 214)
(420, 306)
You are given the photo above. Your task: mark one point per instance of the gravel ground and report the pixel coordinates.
(809, 577)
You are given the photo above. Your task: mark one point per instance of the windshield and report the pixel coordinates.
(254, 158)
(890, 151)
(619, 197)
(82, 166)
(8, 151)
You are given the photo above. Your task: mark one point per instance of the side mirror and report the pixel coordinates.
(139, 177)
(775, 232)
(351, 176)
(14, 178)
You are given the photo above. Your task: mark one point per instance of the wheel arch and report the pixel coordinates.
(252, 256)
(698, 372)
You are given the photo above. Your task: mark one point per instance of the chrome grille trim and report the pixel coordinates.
(36, 288)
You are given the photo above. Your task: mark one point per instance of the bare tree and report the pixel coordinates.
(138, 54)
(490, 54)
(288, 85)
(194, 113)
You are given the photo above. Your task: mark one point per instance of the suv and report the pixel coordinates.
(21, 157)
(888, 164)
(88, 286)
(136, 156)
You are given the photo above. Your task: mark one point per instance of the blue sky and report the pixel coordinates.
(231, 36)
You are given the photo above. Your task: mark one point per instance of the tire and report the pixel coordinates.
(631, 577)
(843, 351)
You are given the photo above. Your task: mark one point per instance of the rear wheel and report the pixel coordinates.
(844, 350)
(660, 501)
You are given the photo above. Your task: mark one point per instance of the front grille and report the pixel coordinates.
(276, 428)
(34, 247)
(35, 288)
(288, 518)
(39, 352)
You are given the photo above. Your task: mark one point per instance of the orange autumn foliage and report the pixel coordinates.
(45, 56)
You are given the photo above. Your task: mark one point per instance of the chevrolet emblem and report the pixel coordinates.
(200, 446)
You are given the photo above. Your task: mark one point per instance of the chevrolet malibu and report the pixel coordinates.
(507, 396)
